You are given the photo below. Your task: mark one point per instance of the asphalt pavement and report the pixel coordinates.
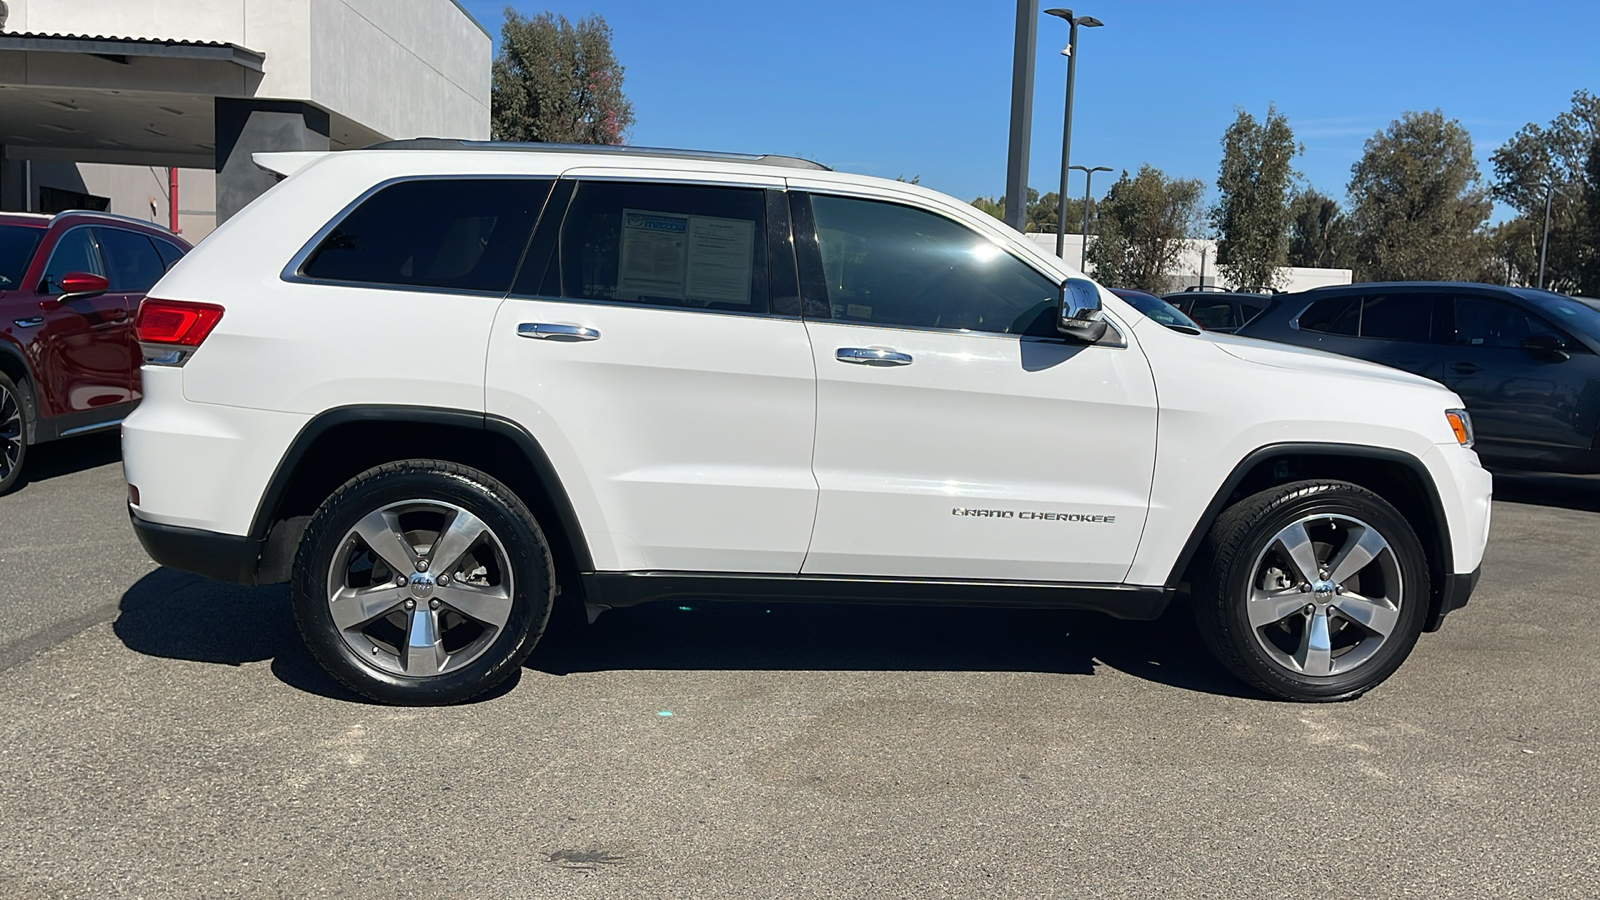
(162, 736)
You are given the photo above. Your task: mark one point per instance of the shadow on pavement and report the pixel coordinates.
(70, 456)
(174, 615)
(883, 638)
(1577, 492)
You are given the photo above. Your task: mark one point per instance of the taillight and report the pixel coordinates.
(169, 330)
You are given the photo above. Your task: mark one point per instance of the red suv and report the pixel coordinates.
(70, 286)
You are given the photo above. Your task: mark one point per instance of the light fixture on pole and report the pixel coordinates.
(1071, 53)
(1088, 179)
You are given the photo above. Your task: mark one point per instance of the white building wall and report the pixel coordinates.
(1200, 256)
(430, 46)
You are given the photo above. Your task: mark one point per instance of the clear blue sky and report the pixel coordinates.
(924, 88)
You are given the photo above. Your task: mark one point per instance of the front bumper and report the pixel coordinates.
(231, 558)
(1457, 591)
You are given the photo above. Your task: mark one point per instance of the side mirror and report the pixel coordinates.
(77, 285)
(1079, 316)
(1547, 347)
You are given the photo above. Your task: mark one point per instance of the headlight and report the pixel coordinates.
(1461, 424)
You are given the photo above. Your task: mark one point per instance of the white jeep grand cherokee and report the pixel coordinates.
(435, 383)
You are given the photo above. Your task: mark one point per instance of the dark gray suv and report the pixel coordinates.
(1527, 362)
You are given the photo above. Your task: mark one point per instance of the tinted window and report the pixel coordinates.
(459, 234)
(1156, 308)
(16, 251)
(170, 252)
(75, 252)
(132, 264)
(1399, 317)
(674, 245)
(1213, 314)
(1333, 315)
(886, 264)
(1481, 322)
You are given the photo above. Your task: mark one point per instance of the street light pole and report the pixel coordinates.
(1016, 197)
(1088, 180)
(1071, 53)
(1544, 244)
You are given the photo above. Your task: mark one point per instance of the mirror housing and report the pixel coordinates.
(1546, 347)
(78, 285)
(1079, 314)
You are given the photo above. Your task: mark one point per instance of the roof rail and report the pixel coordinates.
(791, 162)
(110, 215)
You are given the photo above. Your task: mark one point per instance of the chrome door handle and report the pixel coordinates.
(872, 356)
(546, 331)
(30, 322)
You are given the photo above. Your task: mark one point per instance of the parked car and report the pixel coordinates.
(1221, 311)
(1156, 308)
(69, 286)
(429, 384)
(1525, 362)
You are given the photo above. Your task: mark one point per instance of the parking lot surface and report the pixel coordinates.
(162, 736)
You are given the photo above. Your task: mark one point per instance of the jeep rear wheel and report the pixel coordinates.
(1312, 591)
(422, 582)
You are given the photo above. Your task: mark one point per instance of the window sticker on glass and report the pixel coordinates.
(679, 257)
(720, 251)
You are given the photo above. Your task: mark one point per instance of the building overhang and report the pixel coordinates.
(119, 49)
(134, 101)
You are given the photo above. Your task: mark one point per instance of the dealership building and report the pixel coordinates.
(152, 108)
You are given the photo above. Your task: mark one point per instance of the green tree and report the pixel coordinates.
(1143, 222)
(1252, 216)
(1319, 233)
(1416, 202)
(557, 82)
(1040, 215)
(1558, 155)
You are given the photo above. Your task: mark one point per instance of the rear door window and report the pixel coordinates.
(464, 234)
(1214, 314)
(680, 246)
(132, 264)
(1398, 317)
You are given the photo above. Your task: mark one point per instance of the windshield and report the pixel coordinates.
(1156, 308)
(1571, 313)
(17, 243)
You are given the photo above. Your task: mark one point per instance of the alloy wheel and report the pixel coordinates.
(1325, 595)
(420, 588)
(11, 436)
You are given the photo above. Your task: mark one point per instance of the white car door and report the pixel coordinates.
(676, 406)
(958, 436)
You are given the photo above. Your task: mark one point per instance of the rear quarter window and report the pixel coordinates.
(1333, 315)
(445, 233)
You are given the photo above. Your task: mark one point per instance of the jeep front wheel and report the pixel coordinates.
(422, 583)
(1312, 591)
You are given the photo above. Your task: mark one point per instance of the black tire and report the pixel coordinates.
(1243, 547)
(14, 416)
(518, 539)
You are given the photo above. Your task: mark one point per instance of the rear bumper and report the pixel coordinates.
(231, 558)
(1457, 591)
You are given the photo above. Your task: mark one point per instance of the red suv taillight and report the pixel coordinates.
(169, 330)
